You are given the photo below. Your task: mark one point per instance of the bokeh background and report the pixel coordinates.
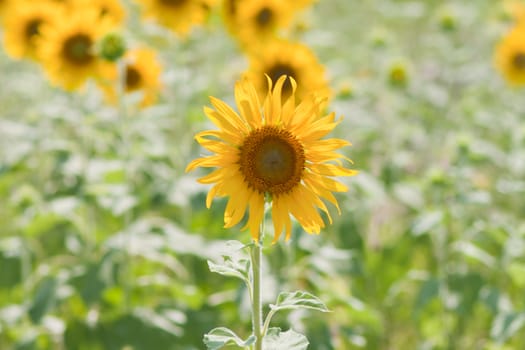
(104, 238)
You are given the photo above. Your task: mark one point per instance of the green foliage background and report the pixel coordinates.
(104, 238)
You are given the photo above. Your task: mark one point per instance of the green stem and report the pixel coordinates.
(267, 321)
(256, 254)
(124, 150)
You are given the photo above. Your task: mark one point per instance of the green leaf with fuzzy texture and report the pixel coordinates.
(298, 300)
(222, 336)
(232, 268)
(289, 340)
(235, 263)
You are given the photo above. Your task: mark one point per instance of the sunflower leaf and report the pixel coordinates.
(298, 300)
(235, 262)
(222, 336)
(230, 267)
(289, 340)
(506, 325)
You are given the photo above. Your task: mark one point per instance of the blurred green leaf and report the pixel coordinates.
(235, 263)
(11, 262)
(289, 340)
(506, 325)
(92, 278)
(465, 290)
(298, 300)
(517, 273)
(221, 336)
(491, 297)
(474, 252)
(427, 292)
(427, 222)
(158, 320)
(239, 269)
(142, 328)
(43, 298)
(42, 223)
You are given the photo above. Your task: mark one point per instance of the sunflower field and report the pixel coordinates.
(262, 174)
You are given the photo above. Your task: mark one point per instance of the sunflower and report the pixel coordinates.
(178, 15)
(142, 73)
(258, 21)
(229, 15)
(67, 48)
(3, 5)
(292, 59)
(510, 55)
(272, 151)
(301, 4)
(22, 27)
(515, 9)
(112, 10)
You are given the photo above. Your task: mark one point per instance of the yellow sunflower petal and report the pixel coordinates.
(315, 183)
(256, 215)
(272, 105)
(233, 139)
(248, 103)
(328, 144)
(331, 170)
(229, 153)
(206, 162)
(300, 205)
(236, 208)
(317, 129)
(212, 194)
(225, 116)
(301, 117)
(278, 220)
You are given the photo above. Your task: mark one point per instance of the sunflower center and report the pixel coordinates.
(32, 28)
(104, 11)
(133, 78)
(264, 17)
(172, 3)
(519, 61)
(77, 49)
(279, 70)
(272, 160)
(231, 6)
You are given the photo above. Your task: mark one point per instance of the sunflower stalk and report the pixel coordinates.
(256, 254)
(256, 258)
(124, 134)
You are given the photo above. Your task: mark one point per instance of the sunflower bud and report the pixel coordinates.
(345, 90)
(448, 20)
(112, 47)
(438, 178)
(379, 38)
(398, 74)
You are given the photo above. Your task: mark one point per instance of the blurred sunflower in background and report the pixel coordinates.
(294, 60)
(112, 10)
(23, 25)
(516, 9)
(258, 21)
(141, 74)
(510, 55)
(178, 15)
(67, 48)
(301, 4)
(272, 150)
(229, 12)
(3, 5)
